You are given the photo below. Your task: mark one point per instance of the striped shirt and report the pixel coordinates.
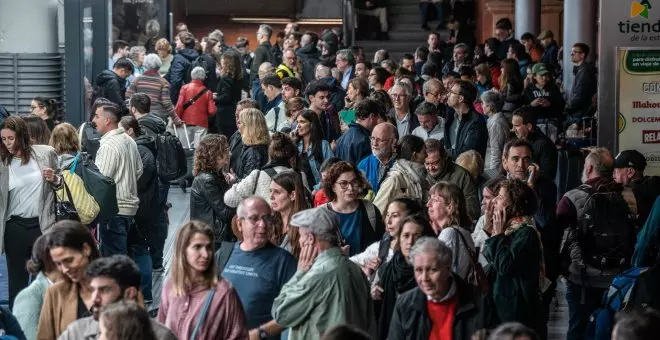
(158, 90)
(119, 159)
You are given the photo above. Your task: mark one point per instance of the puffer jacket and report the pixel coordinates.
(405, 178)
(207, 203)
(179, 73)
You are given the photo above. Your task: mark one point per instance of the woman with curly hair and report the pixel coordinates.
(228, 93)
(209, 186)
(256, 138)
(450, 220)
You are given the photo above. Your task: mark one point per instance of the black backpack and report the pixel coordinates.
(170, 157)
(208, 66)
(90, 140)
(606, 231)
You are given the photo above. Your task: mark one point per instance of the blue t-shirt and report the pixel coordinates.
(257, 277)
(351, 231)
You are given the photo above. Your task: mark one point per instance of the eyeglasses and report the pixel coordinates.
(576, 52)
(254, 219)
(344, 184)
(376, 140)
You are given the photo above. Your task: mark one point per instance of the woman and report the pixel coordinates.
(483, 229)
(29, 301)
(498, 129)
(381, 252)
(27, 182)
(397, 276)
(483, 82)
(197, 113)
(320, 198)
(511, 85)
(125, 320)
(64, 140)
(407, 176)
(254, 133)
(228, 93)
(72, 247)
(377, 78)
(360, 223)
(313, 149)
(292, 109)
(451, 222)
(287, 198)
(39, 131)
(48, 109)
(194, 284)
(209, 186)
(164, 50)
(515, 254)
(156, 87)
(136, 54)
(358, 89)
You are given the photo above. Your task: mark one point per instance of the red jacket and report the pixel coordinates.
(198, 113)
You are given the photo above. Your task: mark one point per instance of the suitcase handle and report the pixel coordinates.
(185, 132)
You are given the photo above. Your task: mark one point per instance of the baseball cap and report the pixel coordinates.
(319, 220)
(540, 69)
(545, 34)
(630, 159)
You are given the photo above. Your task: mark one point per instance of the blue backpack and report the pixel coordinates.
(615, 299)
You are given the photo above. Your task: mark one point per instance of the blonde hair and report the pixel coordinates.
(180, 267)
(453, 195)
(254, 130)
(64, 139)
(163, 45)
(472, 162)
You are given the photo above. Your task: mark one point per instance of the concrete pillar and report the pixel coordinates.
(28, 26)
(580, 25)
(528, 17)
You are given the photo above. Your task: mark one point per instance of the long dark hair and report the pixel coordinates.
(511, 74)
(52, 107)
(22, 142)
(315, 134)
(72, 235)
(291, 181)
(39, 132)
(40, 260)
(126, 320)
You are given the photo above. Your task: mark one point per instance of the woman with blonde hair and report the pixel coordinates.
(450, 220)
(256, 138)
(164, 51)
(228, 93)
(195, 303)
(210, 184)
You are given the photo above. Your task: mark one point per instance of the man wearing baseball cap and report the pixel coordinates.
(550, 50)
(328, 289)
(639, 191)
(544, 94)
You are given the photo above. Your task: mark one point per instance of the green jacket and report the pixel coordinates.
(514, 266)
(333, 291)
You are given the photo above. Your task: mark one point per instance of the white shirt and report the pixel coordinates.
(25, 189)
(282, 119)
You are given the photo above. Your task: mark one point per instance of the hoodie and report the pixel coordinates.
(110, 86)
(152, 125)
(309, 56)
(406, 178)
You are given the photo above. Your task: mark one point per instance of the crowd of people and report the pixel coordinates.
(330, 197)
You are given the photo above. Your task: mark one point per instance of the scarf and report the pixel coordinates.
(396, 277)
(516, 224)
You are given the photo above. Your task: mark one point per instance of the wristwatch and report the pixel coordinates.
(262, 334)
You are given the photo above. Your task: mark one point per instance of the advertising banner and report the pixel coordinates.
(639, 104)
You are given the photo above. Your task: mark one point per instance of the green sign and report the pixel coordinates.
(642, 61)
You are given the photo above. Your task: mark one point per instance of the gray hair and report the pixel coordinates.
(462, 46)
(152, 61)
(305, 40)
(493, 99)
(512, 330)
(601, 160)
(240, 209)
(345, 55)
(266, 67)
(403, 85)
(325, 236)
(135, 51)
(198, 73)
(323, 71)
(431, 83)
(152, 28)
(443, 253)
(217, 35)
(265, 30)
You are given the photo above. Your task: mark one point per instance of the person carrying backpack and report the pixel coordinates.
(599, 239)
(179, 73)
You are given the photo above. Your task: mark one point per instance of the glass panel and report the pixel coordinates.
(139, 22)
(88, 53)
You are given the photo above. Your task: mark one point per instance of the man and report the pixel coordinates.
(459, 309)
(288, 66)
(355, 144)
(328, 289)
(380, 56)
(430, 70)
(584, 85)
(516, 162)
(406, 121)
(181, 63)
(120, 50)
(441, 168)
(309, 55)
(318, 96)
(377, 9)
(345, 64)
(256, 268)
(362, 70)
(639, 191)
(550, 50)
(543, 149)
(263, 52)
(598, 255)
(642, 324)
(336, 92)
(257, 93)
(111, 279)
(291, 87)
(430, 125)
(533, 49)
(504, 33)
(358, 53)
(111, 85)
(434, 42)
(271, 85)
(459, 59)
(291, 28)
(465, 129)
(236, 141)
(408, 62)
(376, 165)
(435, 93)
(119, 159)
(243, 48)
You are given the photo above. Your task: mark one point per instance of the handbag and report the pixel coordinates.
(85, 204)
(476, 275)
(202, 315)
(102, 188)
(65, 210)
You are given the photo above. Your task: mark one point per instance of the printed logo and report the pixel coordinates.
(640, 9)
(651, 136)
(621, 122)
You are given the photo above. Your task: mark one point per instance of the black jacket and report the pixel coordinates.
(236, 149)
(549, 57)
(229, 93)
(552, 94)
(152, 125)
(646, 190)
(262, 54)
(410, 320)
(207, 203)
(336, 94)
(472, 134)
(309, 56)
(179, 73)
(544, 153)
(208, 63)
(252, 158)
(111, 87)
(147, 188)
(584, 88)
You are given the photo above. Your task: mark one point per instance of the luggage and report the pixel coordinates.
(189, 152)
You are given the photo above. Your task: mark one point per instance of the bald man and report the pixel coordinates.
(376, 165)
